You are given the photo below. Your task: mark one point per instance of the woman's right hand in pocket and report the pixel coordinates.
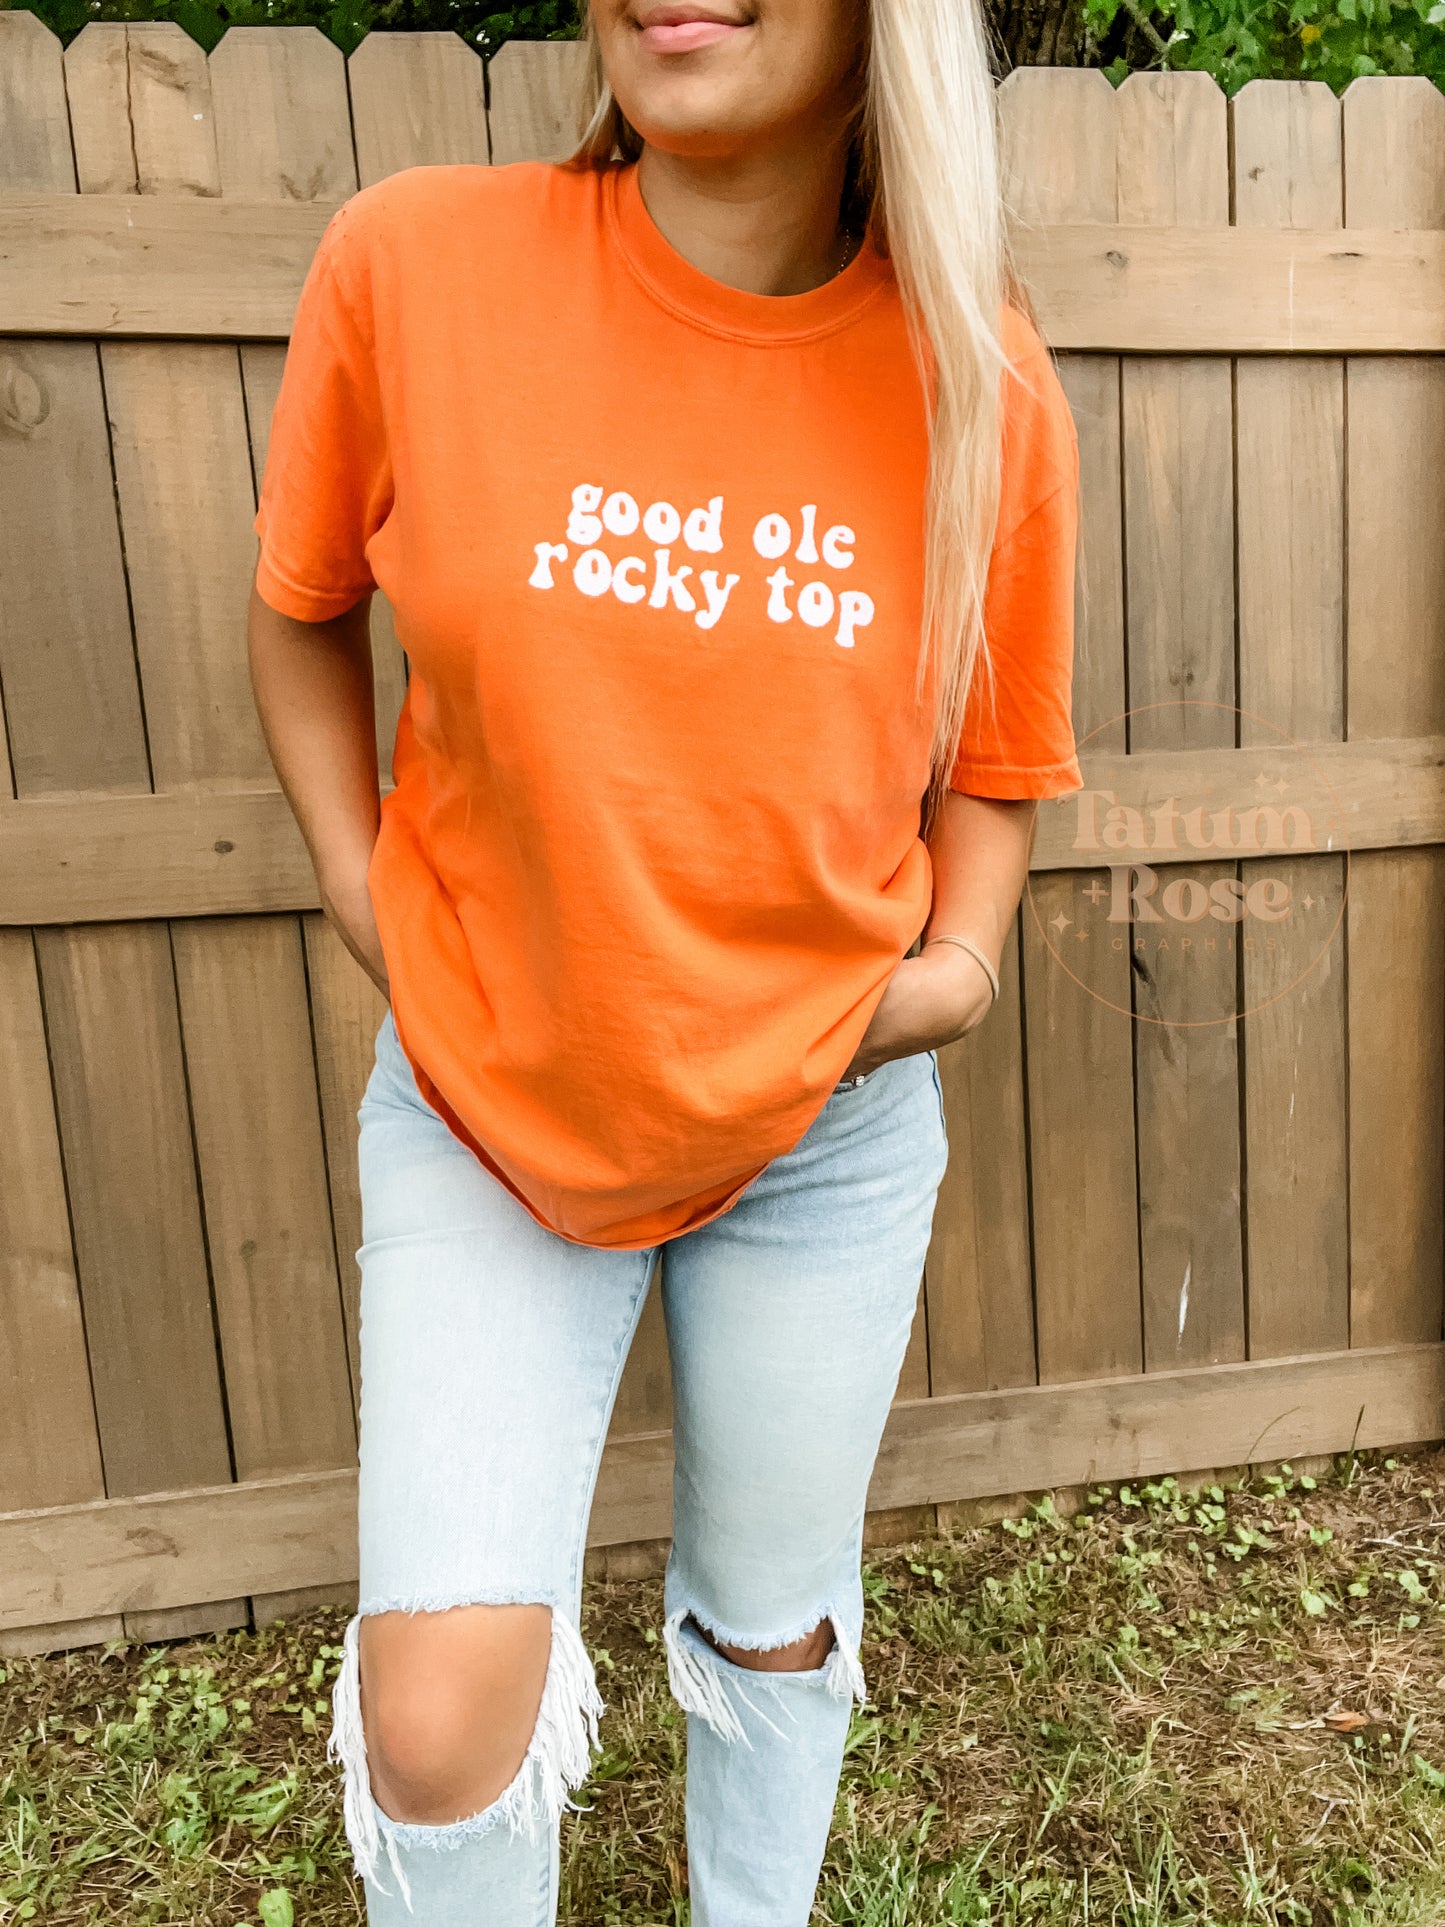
(347, 903)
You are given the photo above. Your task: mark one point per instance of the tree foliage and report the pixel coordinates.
(1241, 40)
(1235, 40)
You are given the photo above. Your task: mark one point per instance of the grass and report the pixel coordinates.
(1221, 1709)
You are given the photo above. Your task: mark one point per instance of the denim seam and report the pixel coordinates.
(938, 1089)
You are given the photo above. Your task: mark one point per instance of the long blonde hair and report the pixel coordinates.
(926, 160)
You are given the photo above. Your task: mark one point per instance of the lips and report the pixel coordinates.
(686, 29)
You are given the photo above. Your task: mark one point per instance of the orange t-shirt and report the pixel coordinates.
(655, 549)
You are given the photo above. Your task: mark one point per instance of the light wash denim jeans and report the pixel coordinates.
(490, 1356)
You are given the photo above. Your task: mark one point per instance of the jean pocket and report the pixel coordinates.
(850, 1086)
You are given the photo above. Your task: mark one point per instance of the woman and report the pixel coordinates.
(727, 513)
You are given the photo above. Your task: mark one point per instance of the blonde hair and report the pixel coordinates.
(926, 159)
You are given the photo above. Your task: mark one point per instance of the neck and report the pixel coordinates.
(766, 222)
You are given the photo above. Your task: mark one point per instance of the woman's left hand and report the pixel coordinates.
(931, 999)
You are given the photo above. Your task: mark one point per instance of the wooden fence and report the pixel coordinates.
(1170, 1237)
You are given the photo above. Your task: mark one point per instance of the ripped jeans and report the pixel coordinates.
(490, 1356)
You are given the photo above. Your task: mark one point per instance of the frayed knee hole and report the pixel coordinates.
(806, 1655)
(450, 1703)
(556, 1759)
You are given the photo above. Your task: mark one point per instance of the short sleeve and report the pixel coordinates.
(327, 485)
(1018, 736)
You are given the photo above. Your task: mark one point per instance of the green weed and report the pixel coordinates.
(1224, 1708)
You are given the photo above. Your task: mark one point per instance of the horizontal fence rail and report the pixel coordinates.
(69, 859)
(171, 1549)
(121, 266)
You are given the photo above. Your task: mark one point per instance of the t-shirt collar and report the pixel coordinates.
(696, 297)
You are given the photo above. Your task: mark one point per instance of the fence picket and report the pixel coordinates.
(346, 1012)
(417, 100)
(1290, 439)
(1061, 135)
(1394, 140)
(140, 120)
(48, 1440)
(977, 1282)
(282, 122)
(270, 150)
(1178, 540)
(72, 720)
(110, 1006)
(242, 981)
(534, 89)
(140, 110)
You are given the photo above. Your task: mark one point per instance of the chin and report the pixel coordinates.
(708, 122)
